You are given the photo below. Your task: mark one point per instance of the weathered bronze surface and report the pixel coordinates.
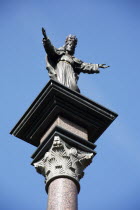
(62, 66)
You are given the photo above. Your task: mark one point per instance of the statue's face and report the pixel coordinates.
(70, 46)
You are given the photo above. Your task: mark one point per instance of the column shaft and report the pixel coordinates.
(62, 195)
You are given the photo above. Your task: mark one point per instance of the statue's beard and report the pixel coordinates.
(71, 52)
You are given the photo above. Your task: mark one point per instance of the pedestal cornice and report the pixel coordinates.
(57, 100)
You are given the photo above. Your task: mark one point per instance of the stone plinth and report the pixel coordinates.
(68, 125)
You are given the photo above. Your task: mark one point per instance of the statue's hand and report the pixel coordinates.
(103, 66)
(44, 40)
(44, 33)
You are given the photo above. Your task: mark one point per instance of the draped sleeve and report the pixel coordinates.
(52, 58)
(50, 49)
(89, 68)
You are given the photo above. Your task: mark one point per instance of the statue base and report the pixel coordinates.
(64, 126)
(58, 108)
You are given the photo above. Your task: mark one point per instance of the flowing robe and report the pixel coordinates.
(65, 68)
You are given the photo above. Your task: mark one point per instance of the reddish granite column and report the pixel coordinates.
(62, 195)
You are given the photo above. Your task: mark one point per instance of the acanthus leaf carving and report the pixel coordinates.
(63, 160)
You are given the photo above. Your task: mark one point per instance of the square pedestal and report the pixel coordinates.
(59, 110)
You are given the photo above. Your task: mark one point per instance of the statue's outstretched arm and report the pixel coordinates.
(91, 68)
(49, 48)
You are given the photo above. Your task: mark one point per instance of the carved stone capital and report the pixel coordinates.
(62, 160)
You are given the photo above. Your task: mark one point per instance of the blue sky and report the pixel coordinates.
(108, 32)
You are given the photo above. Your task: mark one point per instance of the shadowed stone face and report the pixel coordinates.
(70, 46)
(56, 142)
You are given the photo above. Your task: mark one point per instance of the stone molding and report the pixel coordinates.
(77, 109)
(62, 160)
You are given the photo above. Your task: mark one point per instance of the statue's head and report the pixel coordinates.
(70, 44)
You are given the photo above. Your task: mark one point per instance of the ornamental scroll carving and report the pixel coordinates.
(63, 160)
